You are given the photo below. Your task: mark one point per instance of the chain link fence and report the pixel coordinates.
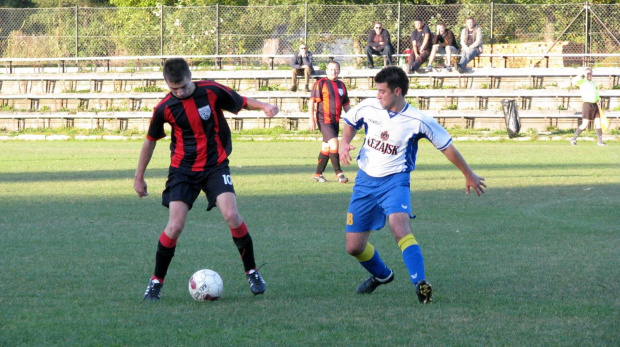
(327, 29)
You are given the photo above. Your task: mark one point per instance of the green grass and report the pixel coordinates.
(534, 262)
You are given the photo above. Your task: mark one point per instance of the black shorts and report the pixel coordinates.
(329, 131)
(590, 111)
(186, 186)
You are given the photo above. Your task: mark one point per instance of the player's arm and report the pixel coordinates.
(139, 184)
(269, 109)
(348, 133)
(312, 118)
(471, 179)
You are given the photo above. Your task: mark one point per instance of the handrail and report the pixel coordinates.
(271, 57)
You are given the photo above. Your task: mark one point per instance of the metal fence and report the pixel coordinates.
(326, 29)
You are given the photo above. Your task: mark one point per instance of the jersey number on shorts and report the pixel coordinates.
(227, 180)
(349, 218)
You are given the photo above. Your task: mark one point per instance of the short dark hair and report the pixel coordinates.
(395, 77)
(176, 70)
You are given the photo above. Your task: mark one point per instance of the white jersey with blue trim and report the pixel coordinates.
(391, 142)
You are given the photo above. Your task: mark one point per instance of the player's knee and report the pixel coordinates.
(232, 218)
(174, 229)
(354, 249)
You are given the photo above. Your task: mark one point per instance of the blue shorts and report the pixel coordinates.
(375, 198)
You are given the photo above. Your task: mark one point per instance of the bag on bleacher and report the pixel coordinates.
(513, 124)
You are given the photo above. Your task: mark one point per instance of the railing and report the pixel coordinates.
(136, 62)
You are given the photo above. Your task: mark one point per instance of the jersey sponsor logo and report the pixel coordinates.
(373, 121)
(340, 92)
(205, 112)
(382, 146)
(385, 136)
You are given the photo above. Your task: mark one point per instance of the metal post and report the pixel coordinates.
(398, 32)
(306, 26)
(217, 28)
(161, 29)
(492, 16)
(76, 32)
(585, 46)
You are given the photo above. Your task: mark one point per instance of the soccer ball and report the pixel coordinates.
(206, 285)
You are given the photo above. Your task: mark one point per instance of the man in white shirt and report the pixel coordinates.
(382, 188)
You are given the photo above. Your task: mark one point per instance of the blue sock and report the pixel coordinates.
(412, 256)
(373, 263)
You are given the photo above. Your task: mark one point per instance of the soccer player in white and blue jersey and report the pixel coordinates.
(382, 189)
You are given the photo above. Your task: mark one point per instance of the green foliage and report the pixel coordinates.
(149, 89)
(270, 88)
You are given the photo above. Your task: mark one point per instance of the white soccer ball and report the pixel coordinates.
(206, 285)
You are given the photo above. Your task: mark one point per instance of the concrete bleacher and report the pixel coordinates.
(544, 96)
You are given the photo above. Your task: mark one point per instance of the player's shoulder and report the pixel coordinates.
(411, 112)
(167, 100)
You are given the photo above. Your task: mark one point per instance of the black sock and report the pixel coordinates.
(335, 159)
(246, 250)
(163, 257)
(577, 132)
(320, 167)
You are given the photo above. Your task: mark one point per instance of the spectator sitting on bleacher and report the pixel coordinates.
(301, 63)
(420, 45)
(471, 43)
(443, 43)
(379, 44)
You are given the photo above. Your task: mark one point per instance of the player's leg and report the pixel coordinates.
(597, 127)
(179, 196)
(220, 192)
(395, 200)
(365, 214)
(586, 114)
(322, 161)
(330, 146)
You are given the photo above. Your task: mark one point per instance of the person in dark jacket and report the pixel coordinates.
(443, 43)
(379, 44)
(420, 45)
(301, 63)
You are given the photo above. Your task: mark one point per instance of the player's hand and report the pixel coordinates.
(140, 187)
(270, 110)
(311, 123)
(345, 156)
(476, 182)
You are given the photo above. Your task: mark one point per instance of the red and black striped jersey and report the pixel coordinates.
(330, 96)
(200, 134)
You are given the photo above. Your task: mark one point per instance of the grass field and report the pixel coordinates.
(532, 262)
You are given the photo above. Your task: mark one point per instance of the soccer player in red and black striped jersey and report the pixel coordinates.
(330, 96)
(200, 145)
